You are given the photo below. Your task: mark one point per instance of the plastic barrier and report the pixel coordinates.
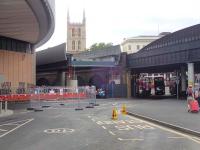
(49, 94)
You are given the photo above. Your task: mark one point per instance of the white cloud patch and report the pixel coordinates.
(113, 20)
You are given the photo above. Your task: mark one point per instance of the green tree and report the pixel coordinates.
(101, 45)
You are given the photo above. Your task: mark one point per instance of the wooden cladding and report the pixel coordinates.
(17, 67)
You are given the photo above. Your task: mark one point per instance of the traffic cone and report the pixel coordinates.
(114, 114)
(123, 111)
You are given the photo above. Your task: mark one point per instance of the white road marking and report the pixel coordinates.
(29, 120)
(3, 130)
(24, 112)
(112, 133)
(89, 116)
(59, 130)
(99, 122)
(197, 140)
(104, 127)
(8, 124)
(120, 139)
(93, 119)
(57, 116)
(114, 104)
(15, 122)
(178, 137)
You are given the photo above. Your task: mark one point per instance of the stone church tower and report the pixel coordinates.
(76, 35)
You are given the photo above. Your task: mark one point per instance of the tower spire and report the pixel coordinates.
(84, 16)
(68, 19)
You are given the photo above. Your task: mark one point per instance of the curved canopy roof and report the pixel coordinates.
(27, 20)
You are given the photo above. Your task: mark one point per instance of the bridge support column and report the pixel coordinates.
(134, 84)
(61, 78)
(191, 74)
(183, 80)
(128, 83)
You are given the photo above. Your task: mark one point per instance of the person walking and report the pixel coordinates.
(190, 96)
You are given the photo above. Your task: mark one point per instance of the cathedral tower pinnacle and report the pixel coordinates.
(76, 35)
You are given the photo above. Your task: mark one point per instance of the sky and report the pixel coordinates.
(111, 21)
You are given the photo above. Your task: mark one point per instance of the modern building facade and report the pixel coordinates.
(24, 25)
(76, 35)
(134, 44)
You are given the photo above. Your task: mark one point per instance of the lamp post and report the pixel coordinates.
(177, 85)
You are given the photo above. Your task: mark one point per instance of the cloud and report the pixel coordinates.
(113, 20)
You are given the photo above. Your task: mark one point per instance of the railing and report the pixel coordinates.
(40, 97)
(47, 93)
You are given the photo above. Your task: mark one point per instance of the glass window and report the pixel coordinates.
(138, 47)
(73, 32)
(79, 32)
(8, 44)
(73, 45)
(155, 74)
(13, 45)
(79, 45)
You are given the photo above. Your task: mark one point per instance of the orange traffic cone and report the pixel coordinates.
(123, 111)
(114, 114)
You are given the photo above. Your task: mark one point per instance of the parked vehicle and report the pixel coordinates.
(100, 93)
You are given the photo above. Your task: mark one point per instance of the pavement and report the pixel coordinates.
(168, 112)
(6, 113)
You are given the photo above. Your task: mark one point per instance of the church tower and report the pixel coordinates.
(76, 35)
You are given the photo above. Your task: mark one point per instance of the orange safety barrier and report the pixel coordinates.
(45, 96)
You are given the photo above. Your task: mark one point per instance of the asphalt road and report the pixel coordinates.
(60, 127)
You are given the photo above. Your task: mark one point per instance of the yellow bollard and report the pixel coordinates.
(123, 111)
(114, 114)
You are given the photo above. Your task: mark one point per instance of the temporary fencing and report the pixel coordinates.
(39, 95)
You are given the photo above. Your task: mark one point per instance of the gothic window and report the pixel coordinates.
(79, 32)
(79, 45)
(73, 32)
(73, 45)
